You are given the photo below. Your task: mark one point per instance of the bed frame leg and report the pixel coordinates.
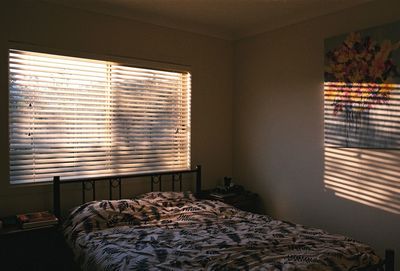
(198, 180)
(56, 197)
(389, 260)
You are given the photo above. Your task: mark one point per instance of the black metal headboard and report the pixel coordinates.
(116, 182)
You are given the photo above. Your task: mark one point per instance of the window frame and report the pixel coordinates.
(122, 61)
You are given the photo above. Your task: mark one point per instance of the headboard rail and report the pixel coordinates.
(115, 181)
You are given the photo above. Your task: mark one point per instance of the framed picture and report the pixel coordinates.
(362, 89)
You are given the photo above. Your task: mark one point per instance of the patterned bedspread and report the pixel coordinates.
(173, 231)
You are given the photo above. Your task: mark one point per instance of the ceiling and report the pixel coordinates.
(227, 19)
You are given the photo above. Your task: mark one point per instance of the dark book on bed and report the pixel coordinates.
(38, 219)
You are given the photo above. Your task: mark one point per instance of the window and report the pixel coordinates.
(76, 117)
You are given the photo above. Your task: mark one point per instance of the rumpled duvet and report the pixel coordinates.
(174, 231)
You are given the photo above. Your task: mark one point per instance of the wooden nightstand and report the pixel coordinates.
(244, 200)
(32, 249)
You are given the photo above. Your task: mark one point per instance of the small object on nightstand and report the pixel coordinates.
(227, 181)
(38, 219)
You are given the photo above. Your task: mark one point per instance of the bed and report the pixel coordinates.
(177, 231)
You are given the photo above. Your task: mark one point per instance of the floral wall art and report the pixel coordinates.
(362, 89)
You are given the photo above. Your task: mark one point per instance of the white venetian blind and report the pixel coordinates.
(76, 117)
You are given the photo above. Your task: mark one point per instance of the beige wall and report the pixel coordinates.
(60, 28)
(278, 127)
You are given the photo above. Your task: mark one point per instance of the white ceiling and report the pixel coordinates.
(228, 19)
